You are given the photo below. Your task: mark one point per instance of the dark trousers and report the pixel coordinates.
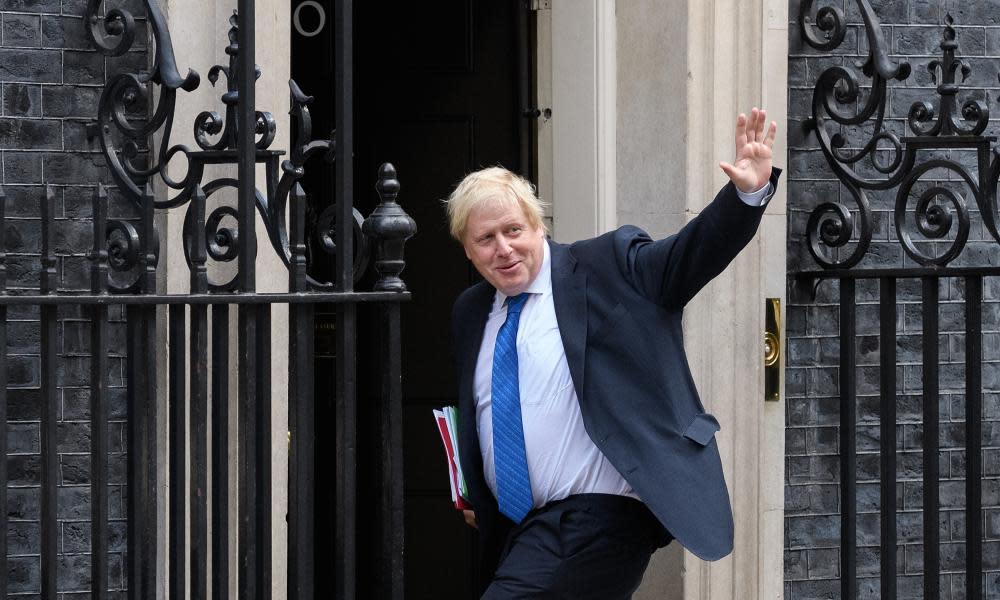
(586, 546)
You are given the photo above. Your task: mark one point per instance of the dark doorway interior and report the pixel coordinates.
(436, 94)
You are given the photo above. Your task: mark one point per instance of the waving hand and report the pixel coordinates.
(752, 167)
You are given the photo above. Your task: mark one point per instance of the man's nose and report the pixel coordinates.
(503, 248)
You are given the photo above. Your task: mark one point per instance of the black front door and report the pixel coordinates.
(436, 94)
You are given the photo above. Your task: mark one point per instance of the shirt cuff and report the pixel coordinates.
(758, 198)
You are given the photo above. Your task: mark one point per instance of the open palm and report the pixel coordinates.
(752, 167)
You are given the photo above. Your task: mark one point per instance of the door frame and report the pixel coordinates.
(577, 144)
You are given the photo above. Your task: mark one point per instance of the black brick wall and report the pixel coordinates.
(50, 84)
(812, 494)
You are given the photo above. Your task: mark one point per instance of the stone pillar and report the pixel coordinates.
(577, 146)
(199, 32)
(685, 70)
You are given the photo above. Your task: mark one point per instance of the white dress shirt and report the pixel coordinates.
(562, 459)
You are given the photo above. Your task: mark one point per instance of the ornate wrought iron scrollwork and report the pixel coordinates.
(829, 20)
(323, 227)
(213, 237)
(120, 249)
(939, 211)
(114, 35)
(324, 233)
(836, 91)
(933, 220)
(831, 224)
(123, 245)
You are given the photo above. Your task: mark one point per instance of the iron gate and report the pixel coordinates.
(222, 326)
(933, 233)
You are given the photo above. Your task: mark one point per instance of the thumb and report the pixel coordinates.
(728, 169)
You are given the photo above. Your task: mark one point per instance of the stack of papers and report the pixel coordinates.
(447, 423)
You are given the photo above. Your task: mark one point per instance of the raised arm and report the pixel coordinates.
(672, 270)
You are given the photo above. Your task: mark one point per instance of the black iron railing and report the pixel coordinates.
(220, 248)
(933, 234)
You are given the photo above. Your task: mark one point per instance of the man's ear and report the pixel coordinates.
(466, 250)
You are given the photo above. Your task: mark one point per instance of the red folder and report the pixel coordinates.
(454, 470)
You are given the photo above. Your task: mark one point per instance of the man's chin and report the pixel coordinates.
(512, 289)
(511, 283)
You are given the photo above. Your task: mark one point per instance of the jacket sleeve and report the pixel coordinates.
(671, 271)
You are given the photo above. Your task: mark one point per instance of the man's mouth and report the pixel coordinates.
(508, 269)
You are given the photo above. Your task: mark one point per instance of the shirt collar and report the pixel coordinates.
(542, 283)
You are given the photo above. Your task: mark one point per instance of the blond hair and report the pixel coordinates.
(495, 185)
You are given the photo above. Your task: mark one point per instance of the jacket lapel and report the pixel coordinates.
(474, 325)
(569, 294)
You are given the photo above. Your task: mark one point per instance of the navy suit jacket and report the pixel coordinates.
(619, 299)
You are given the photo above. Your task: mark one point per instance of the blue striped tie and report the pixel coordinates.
(509, 459)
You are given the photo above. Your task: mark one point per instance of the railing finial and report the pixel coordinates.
(390, 227)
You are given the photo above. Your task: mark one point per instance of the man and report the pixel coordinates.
(583, 441)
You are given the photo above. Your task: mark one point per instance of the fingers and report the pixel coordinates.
(752, 129)
(771, 133)
(741, 131)
(758, 120)
(728, 169)
(470, 518)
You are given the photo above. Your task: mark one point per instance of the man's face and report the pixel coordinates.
(506, 250)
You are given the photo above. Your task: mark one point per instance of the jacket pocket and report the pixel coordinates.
(702, 429)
